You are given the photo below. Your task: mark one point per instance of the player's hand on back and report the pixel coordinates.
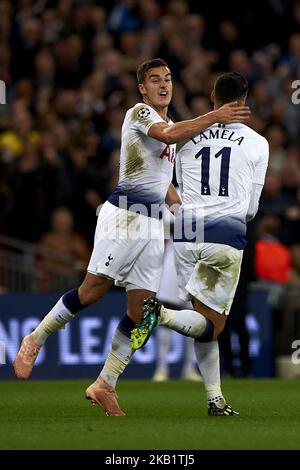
(232, 112)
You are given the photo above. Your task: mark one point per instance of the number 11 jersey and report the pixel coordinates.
(216, 170)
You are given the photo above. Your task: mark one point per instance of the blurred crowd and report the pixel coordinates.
(69, 67)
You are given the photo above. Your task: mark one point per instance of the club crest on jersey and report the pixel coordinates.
(168, 153)
(143, 113)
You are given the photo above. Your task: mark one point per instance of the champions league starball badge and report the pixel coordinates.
(143, 113)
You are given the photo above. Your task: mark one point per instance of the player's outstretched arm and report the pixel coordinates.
(227, 114)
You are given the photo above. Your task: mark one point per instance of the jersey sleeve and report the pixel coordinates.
(262, 164)
(143, 117)
(254, 201)
(178, 169)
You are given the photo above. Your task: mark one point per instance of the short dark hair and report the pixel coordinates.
(230, 86)
(147, 65)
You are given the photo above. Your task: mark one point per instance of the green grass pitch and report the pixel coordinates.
(170, 415)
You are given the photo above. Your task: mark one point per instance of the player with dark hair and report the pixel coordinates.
(221, 173)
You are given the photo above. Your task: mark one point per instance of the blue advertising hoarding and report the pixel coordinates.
(79, 350)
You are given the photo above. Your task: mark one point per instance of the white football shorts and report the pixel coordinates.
(129, 248)
(209, 272)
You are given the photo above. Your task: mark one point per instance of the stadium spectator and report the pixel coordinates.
(32, 178)
(295, 275)
(12, 140)
(272, 260)
(63, 240)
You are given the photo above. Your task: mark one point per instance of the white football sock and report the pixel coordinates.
(186, 322)
(118, 358)
(208, 359)
(56, 319)
(189, 359)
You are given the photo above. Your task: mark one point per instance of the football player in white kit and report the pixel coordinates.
(129, 239)
(221, 173)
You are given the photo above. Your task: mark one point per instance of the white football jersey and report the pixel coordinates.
(217, 169)
(146, 164)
